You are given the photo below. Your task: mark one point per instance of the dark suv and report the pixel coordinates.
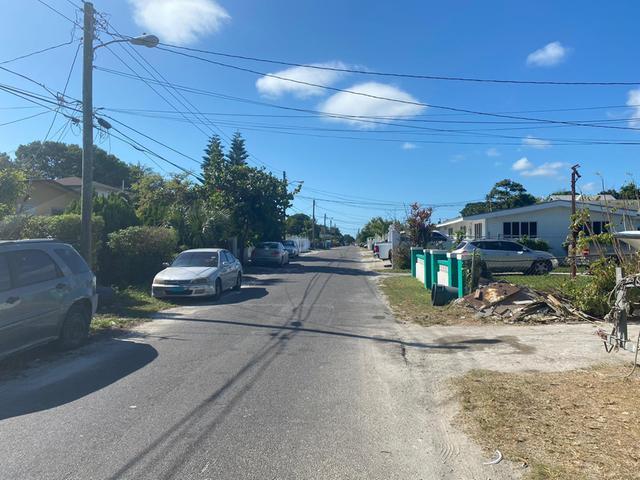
(47, 292)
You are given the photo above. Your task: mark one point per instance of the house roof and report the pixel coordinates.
(74, 182)
(597, 207)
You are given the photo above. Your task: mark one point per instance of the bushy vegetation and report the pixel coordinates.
(534, 244)
(135, 254)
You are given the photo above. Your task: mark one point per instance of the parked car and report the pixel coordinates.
(272, 253)
(47, 292)
(291, 248)
(509, 256)
(200, 272)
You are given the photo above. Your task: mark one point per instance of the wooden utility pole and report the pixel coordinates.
(313, 224)
(575, 175)
(86, 198)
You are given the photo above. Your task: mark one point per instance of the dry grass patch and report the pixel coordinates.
(411, 302)
(581, 424)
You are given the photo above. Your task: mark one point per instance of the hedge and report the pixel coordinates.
(134, 255)
(65, 228)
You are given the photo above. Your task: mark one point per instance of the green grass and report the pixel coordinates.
(410, 301)
(129, 307)
(545, 283)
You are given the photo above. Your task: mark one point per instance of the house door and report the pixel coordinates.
(477, 230)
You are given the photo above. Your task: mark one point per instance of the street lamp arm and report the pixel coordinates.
(148, 41)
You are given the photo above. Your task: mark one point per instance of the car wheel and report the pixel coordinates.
(238, 284)
(217, 290)
(540, 267)
(75, 329)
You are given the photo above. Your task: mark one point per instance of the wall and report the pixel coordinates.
(47, 200)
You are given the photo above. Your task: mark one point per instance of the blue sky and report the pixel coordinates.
(542, 40)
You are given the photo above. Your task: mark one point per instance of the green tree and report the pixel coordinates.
(13, 188)
(237, 154)
(213, 158)
(504, 194)
(419, 225)
(299, 224)
(116, 210)
(376, 227)
(629, 191)
(57, 160)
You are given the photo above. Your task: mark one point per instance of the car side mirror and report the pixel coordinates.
(166, 264)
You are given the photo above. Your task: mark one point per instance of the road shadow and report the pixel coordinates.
(72, 378)
(296, 326)
(227, 298)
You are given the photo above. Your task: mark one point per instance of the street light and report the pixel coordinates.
(86, 195)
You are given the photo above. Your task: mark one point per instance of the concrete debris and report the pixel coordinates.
(514, 304)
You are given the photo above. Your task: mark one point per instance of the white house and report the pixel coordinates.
(548, 221)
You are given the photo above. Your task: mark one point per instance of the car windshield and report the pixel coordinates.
(268, 246)
(196, 259)
(288, 243)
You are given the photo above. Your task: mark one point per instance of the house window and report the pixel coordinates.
(519, 229)
(599, 227)
(450, 232)
(477, 230)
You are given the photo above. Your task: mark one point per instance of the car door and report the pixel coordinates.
(9, 303)
(492, 255)
(38, 294)
(226, 270)
(518, 259)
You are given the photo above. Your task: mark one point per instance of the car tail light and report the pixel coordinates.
(376, 248)
(275, 254)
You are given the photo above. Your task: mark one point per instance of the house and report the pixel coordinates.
(52, 197)
(548, 221)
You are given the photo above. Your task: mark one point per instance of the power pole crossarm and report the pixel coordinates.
(86, 200)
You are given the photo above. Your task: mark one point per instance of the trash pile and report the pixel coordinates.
(514, 304)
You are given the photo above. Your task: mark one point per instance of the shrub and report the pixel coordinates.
(592, 298)
(534, 244)
(401, 257)
(115, 209)
(135, 254)
(65, 228)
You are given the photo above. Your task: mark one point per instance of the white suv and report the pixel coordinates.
(47, 292)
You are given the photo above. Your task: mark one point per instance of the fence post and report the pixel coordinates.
(414, 259)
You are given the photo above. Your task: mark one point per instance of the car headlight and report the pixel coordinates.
(159, 281)
(200, 281)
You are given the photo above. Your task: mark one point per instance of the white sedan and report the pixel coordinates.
(201, 272)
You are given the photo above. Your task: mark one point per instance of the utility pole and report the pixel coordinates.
(575, 175)
(313, 224)
(86, 199)
(325, 221)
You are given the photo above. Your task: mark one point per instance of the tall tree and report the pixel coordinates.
(238, 154)
(213, 158)
(419, 225)
(504, 194)
(376, 227)
(13, 188)
(57, 160)
(299, 224)
(630, 191)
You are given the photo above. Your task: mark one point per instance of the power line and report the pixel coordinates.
(27, 55)
(398, 75)
(25, 118)
(389, 99)
(58, 12)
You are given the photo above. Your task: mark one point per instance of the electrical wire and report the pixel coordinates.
(400, 75)
(389, 99)
(37, 52)
(58, 12)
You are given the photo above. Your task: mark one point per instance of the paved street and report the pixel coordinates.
(300, 375)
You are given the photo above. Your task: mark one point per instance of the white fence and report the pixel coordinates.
(303, 244)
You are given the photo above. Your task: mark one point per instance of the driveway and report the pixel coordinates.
(303, 374)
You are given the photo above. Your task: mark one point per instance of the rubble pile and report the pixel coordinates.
(513, 304)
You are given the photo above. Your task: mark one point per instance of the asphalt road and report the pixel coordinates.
(301, 375)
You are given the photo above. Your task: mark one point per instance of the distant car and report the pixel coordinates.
(47, 292)
(509, 256)
(201, 272)
(272, 253)
(291, 248)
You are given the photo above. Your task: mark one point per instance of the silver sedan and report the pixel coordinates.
(201, 272)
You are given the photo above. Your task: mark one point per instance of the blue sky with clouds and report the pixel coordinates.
(396, 152)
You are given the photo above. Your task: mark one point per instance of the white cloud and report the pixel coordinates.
(549, 169)
(347, 104)
(179, 21)
(589, 187)
(551, 54)
(275, 87)
(522, 164)
(538, 143)
(493, 152)
(634, 102)
(409, 146)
